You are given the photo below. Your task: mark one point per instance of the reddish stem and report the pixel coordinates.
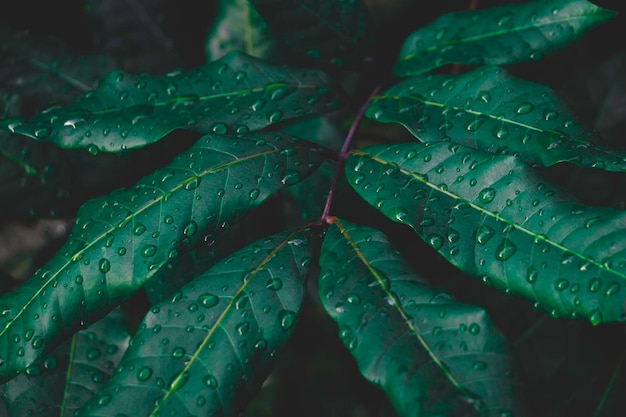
(343, 154)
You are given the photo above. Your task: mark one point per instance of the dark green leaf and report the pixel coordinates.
(493, 218)
(210, 347)
(237, 26)
(318, 129)
(43, 71)
(498, 35)
(236, 94)
(489, 109)
(61, 382)
(121, 240)
(328, 32)
(431, 354)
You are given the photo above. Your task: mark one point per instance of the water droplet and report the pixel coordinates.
(484, 96)
(274, 284)
(595, 318)
(524, 108)
(287, 319)
(474, 328)
(37, 342)
(474, 125)
(480, 365)
(531, 275)
(208, 300)
(500, 132)
(435, 241)
(594, 285)
(144, 373)
(190, 229)
(219, 128)
(612, 289)
(148, 251)
(505, 20)
(178, 353)
(210, 381)
(92, 149)
(139, 229)
(104, 399)
(550, 115)
(275, 116)
(505, 250)
(487, 195)
(561, 284)
(243, 328)
(254, 194)
(104, 265)
(484, 234)
(192, 183)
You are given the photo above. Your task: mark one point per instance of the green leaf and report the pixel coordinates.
(236, 94)
(491, 110)
(326, 32)
(492, 217)
(122, 240)
(431, 354)
(237, 26)
(62, 381)
(208, 349)
(498, 35)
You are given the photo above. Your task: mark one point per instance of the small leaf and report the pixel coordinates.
(210, 347)
(493, 218)
(491, 110)
(120, 241)
(236, 94)
(431, 354)
(237, 26)
(62, 381)
(326, 32)
(498, 35)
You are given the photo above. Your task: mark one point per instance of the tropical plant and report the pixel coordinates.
(318, 166)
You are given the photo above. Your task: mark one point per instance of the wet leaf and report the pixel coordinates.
(498, 35)
(431, 354)
(62, 381)
(237, 26)
(493, 218)
(210, 347)
(323, 32)
(234, 95)
(121, 240)
(491, 110)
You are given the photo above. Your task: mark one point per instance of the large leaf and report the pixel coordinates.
(62, 381)
(332, 32)
(237, 26)
(498, 35)
(121, 240)
(493, 218)
(431, 354)
(235, 94)
(210, 347)
(491, 110)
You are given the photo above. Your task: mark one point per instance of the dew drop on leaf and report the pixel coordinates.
(104, 265)
(148, 251)
(287, 319)
(208, 300)
(524, 108)
(139, 229)
(178, 353)
(274, 284)
(484, 234)
(210, 381)
(219, 128)
(192, 183)
(505, 250)
(487, 195)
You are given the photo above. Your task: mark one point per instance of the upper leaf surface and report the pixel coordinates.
(62, 381)
(235, 94)
(325, 31)
(121, 240)
(493, 218)
(498, 35)
(431, 354)
(210, 347)
(491, 110)
(238, 27)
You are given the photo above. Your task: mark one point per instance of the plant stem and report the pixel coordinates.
(344, 152)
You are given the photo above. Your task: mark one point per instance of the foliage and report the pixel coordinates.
(240, 238)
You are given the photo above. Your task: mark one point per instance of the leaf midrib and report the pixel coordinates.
(125, 221)
(495, 216)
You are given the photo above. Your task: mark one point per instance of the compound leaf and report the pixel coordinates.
(491, 110)
(325, 32)
(492, 217)
(235, 94)
(238, 27)
(431, 354)
(498, 35)
(210, 347)
(122, 240)
(62, 381)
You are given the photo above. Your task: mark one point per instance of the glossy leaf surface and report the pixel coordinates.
(431, 354)
(328, 32)
(498, 35)
(237, 26)
(62, 381)
(491, 110)
(236, 94)
(121, 240)
(493, 218)
(206, 351)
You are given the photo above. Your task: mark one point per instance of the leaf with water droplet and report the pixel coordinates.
(512, 230)
(220, 359)
(520, 118)
(120, 117)
(397, 330)
(504, 35)
(135, 217)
